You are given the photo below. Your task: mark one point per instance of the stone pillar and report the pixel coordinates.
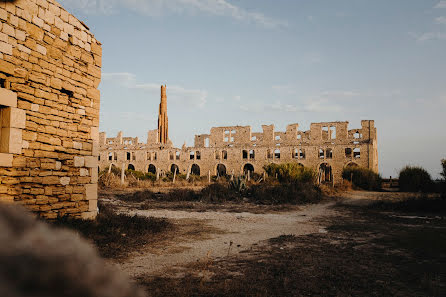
(163, 122)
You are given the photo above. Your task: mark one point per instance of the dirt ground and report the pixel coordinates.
(340, 247)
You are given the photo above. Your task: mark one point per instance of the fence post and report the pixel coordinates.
(122, 173)
(174, 175)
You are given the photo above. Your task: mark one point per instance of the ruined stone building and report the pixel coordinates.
(326, 147)
(50, 69)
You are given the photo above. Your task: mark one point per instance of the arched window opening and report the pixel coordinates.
(221, 170)
(245, 154)
(325, 174)
(151, 169)
(192, 155)
(252, 154)
(277, 154)
(195, 169)
(174, 168)
(110, 156)
(357, 153)
(131, 167)
(129, 155)
(198, 155)
(225, 155)
(177, 155)
(329, 153)
(248, 168)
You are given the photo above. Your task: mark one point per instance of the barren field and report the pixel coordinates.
(354, 244)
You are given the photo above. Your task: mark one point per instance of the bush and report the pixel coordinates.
(415, 179)
(219, 193)
(291, 193)
(291, 172)
(363, 178)
(140, 175)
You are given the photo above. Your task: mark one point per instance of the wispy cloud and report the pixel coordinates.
(430, 36)
(320, 105)
(441, 20)
(332, 94)
(441, 4)
(162, 7)
(179, 94)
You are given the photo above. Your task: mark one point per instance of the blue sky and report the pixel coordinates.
(254, 62)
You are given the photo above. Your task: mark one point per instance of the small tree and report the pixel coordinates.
(443, 174)
(415, 179)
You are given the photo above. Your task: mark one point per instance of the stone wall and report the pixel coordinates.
(50, 69)
(327, 148)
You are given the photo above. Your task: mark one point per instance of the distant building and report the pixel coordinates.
(327, 148)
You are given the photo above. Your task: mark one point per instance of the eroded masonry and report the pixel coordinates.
(50, 69)
(327, 148)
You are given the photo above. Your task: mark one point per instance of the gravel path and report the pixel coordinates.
(229, 233)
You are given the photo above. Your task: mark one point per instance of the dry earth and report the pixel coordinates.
(226, 233)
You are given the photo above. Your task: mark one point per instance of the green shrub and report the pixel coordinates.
(290, 193)
(238, 184)
(140, 175)
(291, 172)
(415, 179)
(363, 178)
(219, 193)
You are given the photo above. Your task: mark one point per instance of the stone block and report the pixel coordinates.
(6, 160)
(91, 162)
(6, 67)
(94, 175)
(11, 141)
(91, 192)
(7, 97)
(65, 180)
(92, 205)
(12, 117)
(79, 161)
(5, 48)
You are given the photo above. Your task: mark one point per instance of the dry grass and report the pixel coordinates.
(117, 235)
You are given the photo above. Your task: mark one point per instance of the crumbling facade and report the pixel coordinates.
(50, 69)
(327, 148)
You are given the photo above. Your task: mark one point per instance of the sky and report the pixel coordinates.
(254, 62)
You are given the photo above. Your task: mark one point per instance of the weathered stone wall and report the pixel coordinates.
(50, 69)
(330, 143)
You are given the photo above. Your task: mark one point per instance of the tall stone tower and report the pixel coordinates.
(163, 122)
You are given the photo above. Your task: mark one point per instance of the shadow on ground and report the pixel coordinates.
(372, 250)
